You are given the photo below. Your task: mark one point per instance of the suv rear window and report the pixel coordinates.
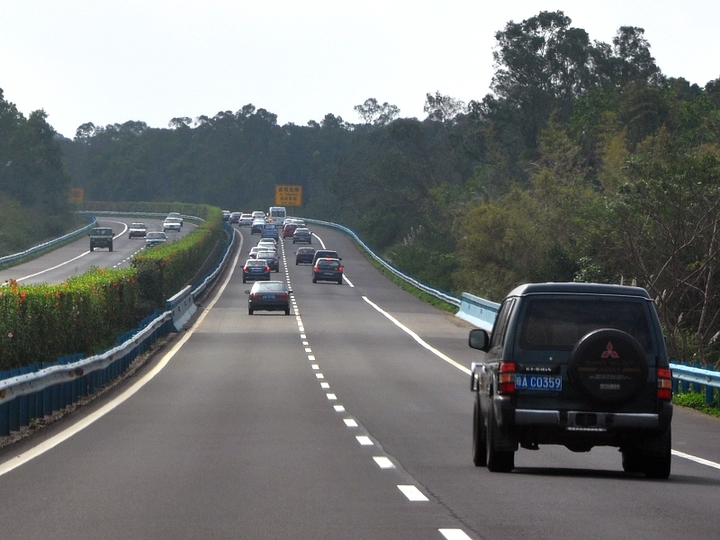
(558, 324)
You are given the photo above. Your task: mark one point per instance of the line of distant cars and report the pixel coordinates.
(269, 295)
(173, 222)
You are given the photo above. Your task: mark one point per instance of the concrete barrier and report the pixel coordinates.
(182, 306)
(478, 311)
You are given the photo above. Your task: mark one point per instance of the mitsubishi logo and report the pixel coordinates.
(609, 352)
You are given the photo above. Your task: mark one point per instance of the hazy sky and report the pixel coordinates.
(110, 61)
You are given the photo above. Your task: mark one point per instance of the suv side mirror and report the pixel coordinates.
(479, 339)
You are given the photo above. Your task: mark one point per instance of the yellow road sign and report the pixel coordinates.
(286, 195)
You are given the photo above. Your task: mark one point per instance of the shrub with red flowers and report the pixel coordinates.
(85, 314)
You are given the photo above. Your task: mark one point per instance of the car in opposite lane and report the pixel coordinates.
(101, 237)
(137, 230)
(178, 216)
(172, 224)
(269, 296)
(155, 238)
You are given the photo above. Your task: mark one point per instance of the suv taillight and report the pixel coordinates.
(664, 384)
(506, 378)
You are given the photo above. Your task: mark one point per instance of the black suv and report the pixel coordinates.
(575, 364)
(101, 237)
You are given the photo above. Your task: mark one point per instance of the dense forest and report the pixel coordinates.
(34, 184)
(584, 162)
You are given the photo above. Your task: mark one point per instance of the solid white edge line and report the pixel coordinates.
(417, 338)
(701, 461)
(43, 447)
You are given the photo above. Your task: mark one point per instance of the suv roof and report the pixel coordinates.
(579, 288)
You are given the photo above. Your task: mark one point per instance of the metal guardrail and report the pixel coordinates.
(425, 288)
(703, 380)
(37, 391)
(50, 244)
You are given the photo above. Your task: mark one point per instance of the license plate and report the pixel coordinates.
(538, 382)
(268, 297)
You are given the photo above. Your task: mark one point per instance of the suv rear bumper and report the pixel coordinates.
(587, 421)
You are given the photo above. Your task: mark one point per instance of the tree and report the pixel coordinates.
(667, 236)
(440, 108)
(371, 112)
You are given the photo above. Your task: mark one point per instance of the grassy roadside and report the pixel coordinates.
(695, 400)
(436, 302)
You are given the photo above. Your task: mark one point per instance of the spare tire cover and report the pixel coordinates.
(609, 366)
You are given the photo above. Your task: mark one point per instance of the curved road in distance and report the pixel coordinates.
(349, 419)
(76, 258)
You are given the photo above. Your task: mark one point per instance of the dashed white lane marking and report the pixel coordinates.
(324, 385)
(315, 367)
(339, 408)
(412, 493)
(331, 397)
(383, 462)
(364, 440)
(454, 534)
(319, 375)
(349, 422)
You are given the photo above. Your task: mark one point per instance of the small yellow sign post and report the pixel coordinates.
(288, 195)
(77, 195)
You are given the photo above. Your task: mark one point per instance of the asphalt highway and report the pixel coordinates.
(350, 418)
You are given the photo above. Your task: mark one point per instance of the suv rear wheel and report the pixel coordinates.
(479, 450)
(497, 461)
(657, 465)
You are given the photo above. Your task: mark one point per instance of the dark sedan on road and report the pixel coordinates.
(269, 296)
(304, 255)
(302, 234)
(327, 270)
(256, 269)
(271, 258)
